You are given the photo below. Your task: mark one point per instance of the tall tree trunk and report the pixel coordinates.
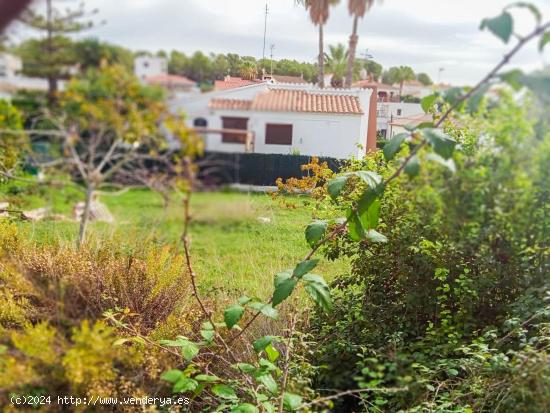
(52, 90)
(86, 214)
(321, 58)
(401, 89)
(351, 52)
(52, 81)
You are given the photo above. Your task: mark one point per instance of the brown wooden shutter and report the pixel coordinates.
(234, 123)
(277, 134)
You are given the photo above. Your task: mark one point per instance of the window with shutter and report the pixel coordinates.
(278, 134)
(234, 123)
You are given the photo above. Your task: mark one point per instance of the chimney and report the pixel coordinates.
(371, 130)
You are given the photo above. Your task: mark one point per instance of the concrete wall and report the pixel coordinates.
(387, 110)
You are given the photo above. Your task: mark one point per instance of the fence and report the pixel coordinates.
(254, 168)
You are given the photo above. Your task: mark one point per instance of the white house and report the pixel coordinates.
(285, 119)
(147, 66)
(389, 106)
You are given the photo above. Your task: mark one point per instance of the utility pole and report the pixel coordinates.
(441, 70)
(265, 28)
(272, 47)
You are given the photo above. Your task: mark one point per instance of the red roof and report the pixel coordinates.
(170, 80)
(414, 120)
(364, 84)
(288, 100)
(233, 82)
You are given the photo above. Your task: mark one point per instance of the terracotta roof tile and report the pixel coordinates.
(288, 100)
(230, 104)
(233, 82)
(170, 80)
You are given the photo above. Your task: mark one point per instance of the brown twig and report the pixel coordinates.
(352, 392)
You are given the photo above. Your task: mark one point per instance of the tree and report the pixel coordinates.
(91, 53)
(319, 11)
(178, 63)
(374, 69)
(52, 56)
(220, 66)
(199, 67)
(336, 64)
(109, 120)
(248, 70)
(425, 79)
(357, 9)
(399, 75)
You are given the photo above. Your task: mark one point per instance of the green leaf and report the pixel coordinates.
(184, 384)
(447, 163)
(224, 391)
(304, 267)
(370, 217)
(412, 168)
(291, 401)
(265, 309)
(245, 408)
(207, 378)
(336, 185)
(452, 95)
(208, 335)
(442, 143)
(283, 289)
(244, 300)
(372, 179)
(315, 232)
(544, 40)
(475, 99)
(268, 381)
(393, 145)
(245, 367)
(355, 227)
(262, 343)
(428, 103)
(269, 408)
(513, 78)
(272, 353)
(189, 350)
(232, 315)
(172, 376)
(501, 26)
(532, 8)
(317, 288)
(375, 236)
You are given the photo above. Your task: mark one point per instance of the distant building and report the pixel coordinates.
(397, 126)
(10, 65)
(11, 79)
(285, 119)
(173, 84)
(147, 66)
(232, 82)
(389, 106)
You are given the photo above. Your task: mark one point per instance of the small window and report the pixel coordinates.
(399, 112)
(234, 123)
(200, 123)
(278, 134)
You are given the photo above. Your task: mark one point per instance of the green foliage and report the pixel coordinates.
(12, 145)
(424, 78)
(501, 26)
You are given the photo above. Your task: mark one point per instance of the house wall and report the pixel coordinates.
(389, 110)
(313, 134)
(145, 66)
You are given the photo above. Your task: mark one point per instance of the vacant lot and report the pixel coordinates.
(238, 240)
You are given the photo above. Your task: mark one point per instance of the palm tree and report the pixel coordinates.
(319, 11)
(248, 70)
(357, 9)
(336, 64)
(400, 75)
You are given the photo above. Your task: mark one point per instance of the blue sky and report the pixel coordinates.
(425, 34)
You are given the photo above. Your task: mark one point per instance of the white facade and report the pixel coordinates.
(388, 111)
(338, 135)
(10, 65)
(145, 66)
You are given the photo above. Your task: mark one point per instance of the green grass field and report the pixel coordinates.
(234, 249)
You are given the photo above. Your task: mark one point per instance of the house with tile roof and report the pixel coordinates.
(285, 119)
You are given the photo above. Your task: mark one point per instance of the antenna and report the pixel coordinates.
(272, 48)
(265, 27)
